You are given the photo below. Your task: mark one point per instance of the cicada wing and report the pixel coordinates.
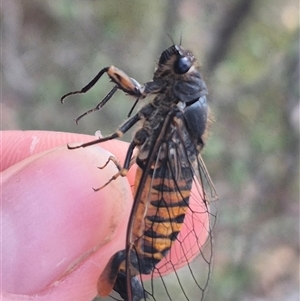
(180, 221)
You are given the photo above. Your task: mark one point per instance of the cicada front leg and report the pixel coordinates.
(123, 82)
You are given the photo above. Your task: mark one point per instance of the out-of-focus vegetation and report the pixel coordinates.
(249, 52)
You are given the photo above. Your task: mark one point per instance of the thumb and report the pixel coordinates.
(58, 233)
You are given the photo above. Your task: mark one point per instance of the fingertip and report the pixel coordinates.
(51, 204)
(19, 145)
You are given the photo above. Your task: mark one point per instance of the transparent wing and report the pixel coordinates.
(184, 273)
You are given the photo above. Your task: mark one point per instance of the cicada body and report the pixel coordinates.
(171, 210)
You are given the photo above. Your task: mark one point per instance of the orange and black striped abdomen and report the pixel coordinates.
(160, 214)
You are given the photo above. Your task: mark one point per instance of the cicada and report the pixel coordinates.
(172, 190)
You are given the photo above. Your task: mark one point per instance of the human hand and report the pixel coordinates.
(57, 233)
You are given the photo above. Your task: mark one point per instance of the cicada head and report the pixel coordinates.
(179, 76)
(175, 60)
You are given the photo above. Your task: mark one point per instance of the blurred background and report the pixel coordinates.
(249, 53)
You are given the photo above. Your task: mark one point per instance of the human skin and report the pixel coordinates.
(52, 245)
(57, 232)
